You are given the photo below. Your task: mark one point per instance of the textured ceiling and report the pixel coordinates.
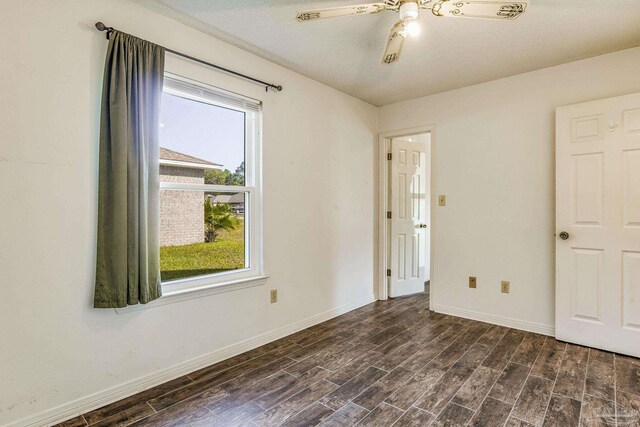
(449, 53)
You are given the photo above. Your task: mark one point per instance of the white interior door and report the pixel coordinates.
(598, 207)
(409, 240)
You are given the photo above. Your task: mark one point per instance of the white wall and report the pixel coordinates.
(58, 355)
(494, 154)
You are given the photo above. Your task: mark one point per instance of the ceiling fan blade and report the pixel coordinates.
(394, 44)
(332, 12)
(488, 9)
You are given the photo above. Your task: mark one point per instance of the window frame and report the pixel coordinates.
(252, 110)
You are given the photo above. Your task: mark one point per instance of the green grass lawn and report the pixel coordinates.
(226, 253)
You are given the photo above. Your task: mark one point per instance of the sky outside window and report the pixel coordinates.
(202, 130)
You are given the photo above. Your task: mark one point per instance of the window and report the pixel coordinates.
(210, 204)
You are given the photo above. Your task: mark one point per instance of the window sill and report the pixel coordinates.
(199, 292)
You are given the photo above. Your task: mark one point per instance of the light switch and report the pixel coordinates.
(442, 200)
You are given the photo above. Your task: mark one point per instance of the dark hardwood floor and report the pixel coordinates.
(396, 363)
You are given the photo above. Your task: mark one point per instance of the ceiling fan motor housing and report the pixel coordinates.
(409, 11)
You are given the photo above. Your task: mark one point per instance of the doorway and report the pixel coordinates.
(406, 203)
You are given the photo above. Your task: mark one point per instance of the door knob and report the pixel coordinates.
(563, 235)
(423, 226)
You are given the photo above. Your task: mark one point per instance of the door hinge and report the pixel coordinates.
(389, 156)
(388, 214)
(388, 272)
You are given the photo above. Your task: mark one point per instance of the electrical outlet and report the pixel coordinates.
(473, 282)
(504, 286)
(274, 296)
(442, 200)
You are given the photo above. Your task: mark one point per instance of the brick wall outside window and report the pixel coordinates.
(181, 211)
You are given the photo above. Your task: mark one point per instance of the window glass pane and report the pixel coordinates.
(202, 233)
(201, 143)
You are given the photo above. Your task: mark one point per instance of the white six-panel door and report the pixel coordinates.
(409, 218)
(598, 224)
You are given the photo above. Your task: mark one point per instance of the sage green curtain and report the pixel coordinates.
(128, 255)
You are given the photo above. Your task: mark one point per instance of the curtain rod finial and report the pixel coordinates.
(101, 27)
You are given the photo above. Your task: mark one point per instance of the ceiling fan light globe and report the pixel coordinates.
(409, 11)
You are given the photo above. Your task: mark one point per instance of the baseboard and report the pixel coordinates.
(538, 328)
(97, 400)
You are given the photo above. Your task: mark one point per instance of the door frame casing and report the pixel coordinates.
(384, 145)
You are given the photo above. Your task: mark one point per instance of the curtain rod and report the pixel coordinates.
(101, 27)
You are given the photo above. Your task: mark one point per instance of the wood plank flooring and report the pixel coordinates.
(395, 363)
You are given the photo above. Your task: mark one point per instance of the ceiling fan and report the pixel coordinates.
(410, 9)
